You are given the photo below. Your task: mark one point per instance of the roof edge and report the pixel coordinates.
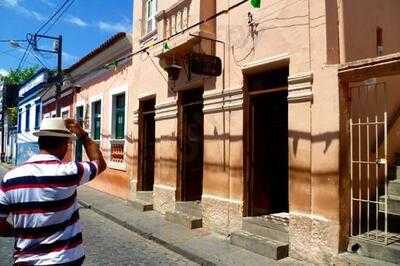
(108, 43)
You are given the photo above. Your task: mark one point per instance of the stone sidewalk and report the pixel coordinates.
(199, 245)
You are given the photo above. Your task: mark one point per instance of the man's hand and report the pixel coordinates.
(74, 127)
(92, 149)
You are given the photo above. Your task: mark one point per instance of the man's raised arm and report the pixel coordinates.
(92, 149)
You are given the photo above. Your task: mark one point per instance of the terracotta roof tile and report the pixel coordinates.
(96, 51)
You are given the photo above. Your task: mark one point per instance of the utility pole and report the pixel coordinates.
(59, 76)
(57, 50)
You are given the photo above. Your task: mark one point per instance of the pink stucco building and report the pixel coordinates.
(264, 140)
(260, 124)
(101, 105)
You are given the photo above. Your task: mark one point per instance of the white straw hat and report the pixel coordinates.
(54, 127)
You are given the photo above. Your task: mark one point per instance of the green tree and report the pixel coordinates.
(12, 114)
(19, 76)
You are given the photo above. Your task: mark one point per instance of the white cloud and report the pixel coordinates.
(16, 5)
(48, 2)
(10, 3)
(114, 27)
(37, 16)
(76, 21)
(69, 58)
(3, 72)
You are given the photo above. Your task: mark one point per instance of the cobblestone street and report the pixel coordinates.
(107, 243)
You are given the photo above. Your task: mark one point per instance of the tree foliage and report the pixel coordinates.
(12, 114)
(19, 76)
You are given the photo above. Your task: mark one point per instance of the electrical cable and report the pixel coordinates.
(23, 56)
(144, 49)
(59, 16)
(58, 10)
(11, 40)
(33, 53)
(29, 37)
(6, 52)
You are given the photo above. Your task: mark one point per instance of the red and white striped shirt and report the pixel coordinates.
(40, 197)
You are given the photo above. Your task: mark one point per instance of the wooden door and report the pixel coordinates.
(269, 153)
(146, 145)
(79, 144)
(190, 146)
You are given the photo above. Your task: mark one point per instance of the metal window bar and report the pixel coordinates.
(362, 123)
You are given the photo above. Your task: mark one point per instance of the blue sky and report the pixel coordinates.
(85, 25)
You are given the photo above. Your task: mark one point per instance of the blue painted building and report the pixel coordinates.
(29, 115)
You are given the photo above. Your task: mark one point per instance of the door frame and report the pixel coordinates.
(247, 177)
(141, 143)
(180, 191)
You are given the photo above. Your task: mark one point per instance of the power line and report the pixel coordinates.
(53, 16)
(13, 40)
(24, 56)
(144, 49)
(29, 37)
(59, 16)
(12, 56)
(38, 59)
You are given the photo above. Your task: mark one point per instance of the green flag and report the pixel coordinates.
(166, 46)
(255, 3)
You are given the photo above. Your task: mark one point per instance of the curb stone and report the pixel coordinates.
(189, 255)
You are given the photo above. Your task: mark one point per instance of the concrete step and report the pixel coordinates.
(393, 222)
(353, 259)
(142, 206)
(393, 204)
(394, 188)
(374, 250)
(260, 245)
(145, 196)
(191, 208)
(191, 222)
(267, 226)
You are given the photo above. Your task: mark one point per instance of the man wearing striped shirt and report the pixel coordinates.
(39, 197)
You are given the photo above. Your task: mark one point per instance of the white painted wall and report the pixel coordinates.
(25, 136)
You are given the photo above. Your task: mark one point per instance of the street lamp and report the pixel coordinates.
(15, 44)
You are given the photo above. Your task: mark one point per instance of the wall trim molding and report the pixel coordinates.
(223, 101)
(266, 63)
(213, 102)
(300, 87)
(166, 110)
(147, 95)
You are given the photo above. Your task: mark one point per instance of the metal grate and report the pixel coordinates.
(368, 163)
(117, 151)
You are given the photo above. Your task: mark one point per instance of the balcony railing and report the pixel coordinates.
(117, 151)
(174, 19)
(184, 14)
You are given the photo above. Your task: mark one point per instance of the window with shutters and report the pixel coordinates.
(27, 117)
(150, 9)
(119, 115)
(118, 128)
(96, 120)
(37, 115)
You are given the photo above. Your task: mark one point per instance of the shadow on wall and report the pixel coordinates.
(327, 137)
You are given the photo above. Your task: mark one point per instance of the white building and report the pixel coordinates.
(29, 115)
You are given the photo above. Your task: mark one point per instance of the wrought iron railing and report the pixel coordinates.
(117, 150)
